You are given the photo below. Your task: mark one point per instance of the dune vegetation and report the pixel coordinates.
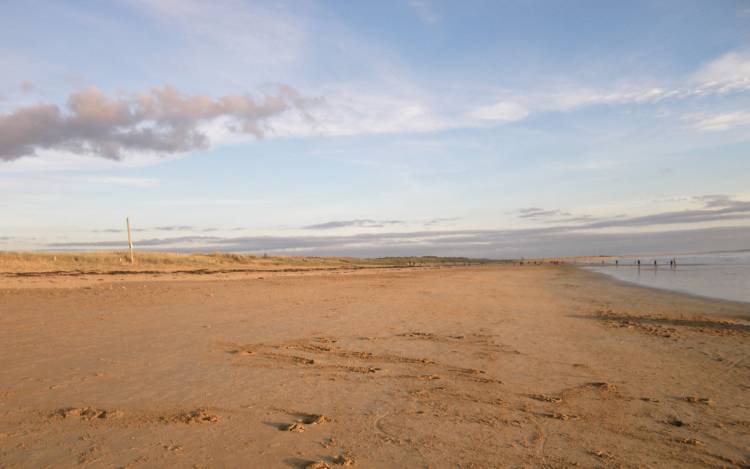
(166, 261)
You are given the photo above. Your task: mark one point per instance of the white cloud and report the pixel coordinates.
(350, 110)
(503, 111)
(730, 72)
(574, 98)
(719, 122)
(513, 107)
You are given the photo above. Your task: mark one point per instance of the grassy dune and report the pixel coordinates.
(162, 261)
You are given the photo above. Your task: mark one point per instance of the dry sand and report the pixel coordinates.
(491, 366)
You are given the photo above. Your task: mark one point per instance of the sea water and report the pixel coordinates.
(724, 275)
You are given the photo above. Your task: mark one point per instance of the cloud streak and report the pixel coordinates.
(362, 223)
(169, 228)
(723, 121)
(729, 73)
(163, 121)
(477, 243)
(540, 214)
(715, 207)
(555, 240)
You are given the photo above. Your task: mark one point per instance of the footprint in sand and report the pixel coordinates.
(699, 400)
(428, 377)
(559, 416)
(343, 460)
(85, 413)
(546, 398)
(242, 352)
(418, 335)
(675, 422)
(601, 454)
(315, 419)
(302, 360)
(325, 340)
(690, 441)
(196, 416)
(295, 427)
(307, 419)
(603, 386)
(317, 465)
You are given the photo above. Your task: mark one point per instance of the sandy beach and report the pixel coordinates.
(478, 366)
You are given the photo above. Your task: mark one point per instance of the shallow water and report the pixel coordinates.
(716, 275)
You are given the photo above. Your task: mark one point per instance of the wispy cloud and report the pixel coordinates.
(346, 110)
(477, 243)
(74, 181)
(557, 216)
(440, 221)
(719, 201)
(362, 223)
(503, 111)
(265, 36)
(349, 110)
(167, 228)
(535, 212)
(514, 105)
(719, 122)
(714, 207)
(741, 211)
(425, 11)
(729, 72)
(117, 181)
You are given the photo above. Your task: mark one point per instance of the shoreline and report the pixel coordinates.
(731, 303)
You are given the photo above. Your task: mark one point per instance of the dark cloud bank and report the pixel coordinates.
(559, 237)
(476, 243)
(163, 121)
(715, 207)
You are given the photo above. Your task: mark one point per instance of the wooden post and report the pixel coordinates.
(130, 241)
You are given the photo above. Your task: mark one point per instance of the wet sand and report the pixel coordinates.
(491, 366)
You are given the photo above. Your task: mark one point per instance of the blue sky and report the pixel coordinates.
(497, 128)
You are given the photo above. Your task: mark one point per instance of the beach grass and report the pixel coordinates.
(119, 260)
